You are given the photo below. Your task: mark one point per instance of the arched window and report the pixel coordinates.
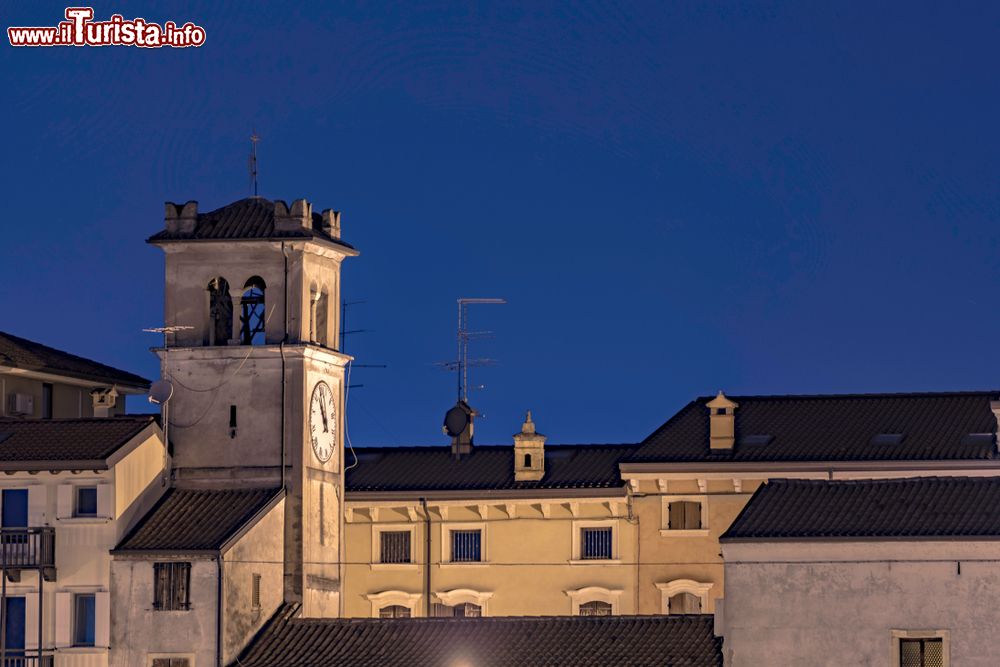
(220, 312)
(685, 596)
(394, 611)
(322, 317)
(527, 460)
(595, 608)
(461, 602)
(252, 316)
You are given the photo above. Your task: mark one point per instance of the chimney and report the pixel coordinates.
(721, 422)
(295, 219)
(331, 223)
(458, 425)
(529, 453)
(180, 219)
(104, 400)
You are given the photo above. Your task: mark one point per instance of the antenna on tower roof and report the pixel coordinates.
(253, 162)
(462, 363)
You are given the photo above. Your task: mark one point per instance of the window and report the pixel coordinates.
(171, 662)
(926, 652)
(220, 313)
(595, 608)
(252, 316)
(255, 591)
(394, 611)
(684, 603)
(527, 460)
(84, 619)
(46, 400)
(86, 501)
(394, 546)
(463, 610)
(466, 546)
(172, 582)
(684, 515)
(596, 543)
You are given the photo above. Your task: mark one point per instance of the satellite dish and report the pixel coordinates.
(455, 421)
(160, 392)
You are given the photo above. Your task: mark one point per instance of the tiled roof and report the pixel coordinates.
(935, 426)
(486, 468)
(60, 442)
(623, 641)
(951, 507)
(251, 218)
(22, 353)
(196, 520)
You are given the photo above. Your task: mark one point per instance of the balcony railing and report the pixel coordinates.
(28, 548)
(29, 661)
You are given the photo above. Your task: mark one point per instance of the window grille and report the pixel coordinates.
(173, 582)
(464, 610)
(921, 652)
(684, 515)
(171, 662)
(394, 546)
(466, 546)
(684, 603)
(596, 543)
(255, 591)
(595, 608)
(394, 611)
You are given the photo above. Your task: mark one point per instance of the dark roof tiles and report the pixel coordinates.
(195, 519)
(625, 641)
(931, 507)
(22, 353)
(834, 428)
(56, 441)
(251, 218)
(486, 468)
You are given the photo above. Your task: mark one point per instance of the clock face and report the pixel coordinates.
(323, 422)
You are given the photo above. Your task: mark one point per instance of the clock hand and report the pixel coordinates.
(322, 411)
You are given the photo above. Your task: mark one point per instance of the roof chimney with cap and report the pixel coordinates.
(294, 219)
(529, 453)
(331, 223)
(180, 219)
(721, 422)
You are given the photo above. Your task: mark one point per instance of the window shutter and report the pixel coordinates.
(105, 501)
(676, 516)
(64, 615)
(31, 621)
(161, 585)
(181, 583)
(64, 501)
(36, 505)
(102, 619)
(692, 515)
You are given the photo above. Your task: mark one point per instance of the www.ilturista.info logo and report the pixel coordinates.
(79, 29)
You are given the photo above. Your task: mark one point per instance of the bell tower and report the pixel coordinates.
(251, 300)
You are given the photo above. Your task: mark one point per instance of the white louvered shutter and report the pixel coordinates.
(64, 619)
(36, 504)
(106, 501)
(64, 501)
(102, 623)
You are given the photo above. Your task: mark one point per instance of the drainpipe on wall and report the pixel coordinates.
(218, 615)
(427, 558)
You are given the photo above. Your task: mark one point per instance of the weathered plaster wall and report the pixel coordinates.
(258, 552)
(799, 604)
(68, 401)
(137, 630)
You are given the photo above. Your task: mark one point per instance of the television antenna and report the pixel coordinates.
(168, 330)
(345, 332)
(254, 139)
(464, 335)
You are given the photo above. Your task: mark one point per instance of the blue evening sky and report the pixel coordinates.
(675, 198)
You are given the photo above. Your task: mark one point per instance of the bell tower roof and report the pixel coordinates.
(253, 218)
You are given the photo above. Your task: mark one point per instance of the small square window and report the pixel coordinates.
(466, 546)
(596, 543)
(172, 583)
(394, 546)
(684, 515)
(86, 501)
(927, 652)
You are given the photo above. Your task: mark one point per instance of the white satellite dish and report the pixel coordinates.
(160, 392)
